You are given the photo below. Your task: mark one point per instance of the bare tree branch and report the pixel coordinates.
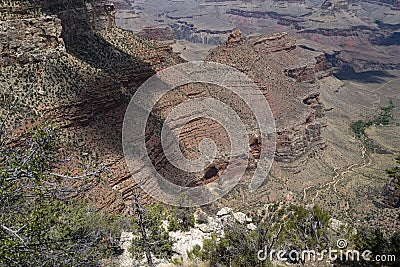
(79, 177)
(14, 233)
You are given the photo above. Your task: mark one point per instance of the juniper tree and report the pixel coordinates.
(41, 223)
(150, 237)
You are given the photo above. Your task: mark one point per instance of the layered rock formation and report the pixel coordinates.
(66, 62)
(188, 31)
(158, 33)
(356, 35)
(288, 76)
(340, 29)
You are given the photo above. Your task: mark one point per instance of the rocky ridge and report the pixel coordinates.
(288, 76)
(86, 87)
(67, 63)
(357, 35)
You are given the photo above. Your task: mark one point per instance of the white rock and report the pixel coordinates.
(240, 217)
(224, 211)
(251, 226)
(125, 259)
(336, 224)
(185, 241)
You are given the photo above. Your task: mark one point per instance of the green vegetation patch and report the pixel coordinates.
(359, 127)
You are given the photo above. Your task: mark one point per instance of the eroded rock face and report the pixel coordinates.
(84, 88)
(235, 37)
(32, 32)
(273, 43)
(30, 39)
(85, 18)
(289, 79)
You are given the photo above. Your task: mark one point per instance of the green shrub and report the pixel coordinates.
(180, 219)
(39, 224)
(383, 118)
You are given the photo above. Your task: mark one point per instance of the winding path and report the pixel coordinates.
(339, 176)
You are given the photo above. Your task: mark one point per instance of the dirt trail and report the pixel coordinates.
(339, 176)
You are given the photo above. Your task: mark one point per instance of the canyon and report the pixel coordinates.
(354, 35)
(67, 62)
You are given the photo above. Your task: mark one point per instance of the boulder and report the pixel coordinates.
(240, 217)
(235, 37)
(224, 211)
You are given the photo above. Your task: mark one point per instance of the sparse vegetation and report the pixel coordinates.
(279, 227)
(383, 119)
(394, 173)
(151, 239)
(40, 223)
(180, 218)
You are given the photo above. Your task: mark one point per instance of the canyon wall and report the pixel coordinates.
(36, 31)
(289, 78)
(189, 32)
(66, 63)
(357, 35)
(86, 88)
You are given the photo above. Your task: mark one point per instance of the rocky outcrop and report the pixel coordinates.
(30, 40)
(205, 227)
(85, 18)
(187, 31)
(235, 37)
(311, 74)
(273, 43)
(158, 33)
(36, 31)
(284, 72)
